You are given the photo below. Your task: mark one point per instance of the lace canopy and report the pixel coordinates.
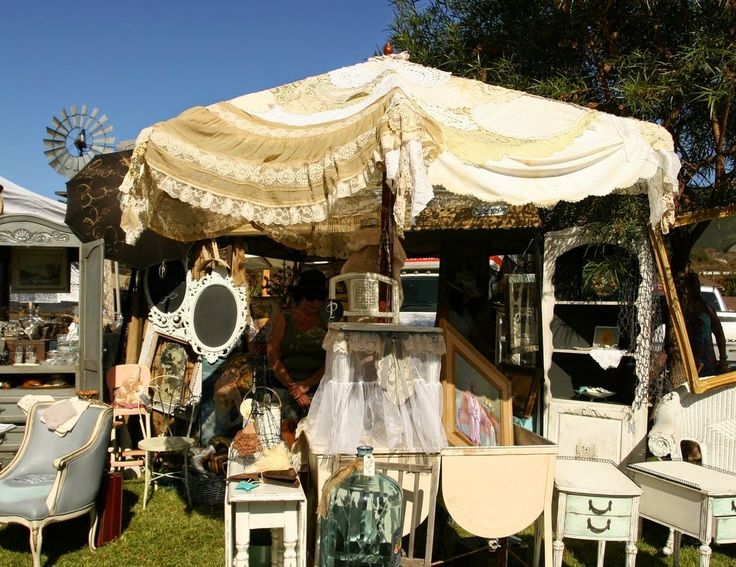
(311, 154)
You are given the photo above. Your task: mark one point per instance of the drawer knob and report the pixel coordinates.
(601, 512)
(595, 530)
(733, 506)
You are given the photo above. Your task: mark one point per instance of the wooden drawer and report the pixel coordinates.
(591, 526)
(598, 505)
(724, 506)
(724, 529)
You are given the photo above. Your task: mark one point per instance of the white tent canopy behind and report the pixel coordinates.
(20, 201)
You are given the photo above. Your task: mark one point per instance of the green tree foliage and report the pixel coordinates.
(671, 62)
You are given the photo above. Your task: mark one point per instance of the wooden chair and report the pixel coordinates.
(126, 383)
(172, 397)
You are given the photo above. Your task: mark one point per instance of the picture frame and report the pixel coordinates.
(525, 384)
(606, 337)
(521, 326)
(698, 384)
(39, 269)
(169, 360)
(477, 396)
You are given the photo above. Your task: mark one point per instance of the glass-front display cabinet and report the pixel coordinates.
(50, 317)
(596, 326)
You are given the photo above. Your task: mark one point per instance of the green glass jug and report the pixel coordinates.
(363, 521)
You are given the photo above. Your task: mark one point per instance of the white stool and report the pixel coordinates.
(282, 509)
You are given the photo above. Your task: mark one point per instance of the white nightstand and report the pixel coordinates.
(595, 501)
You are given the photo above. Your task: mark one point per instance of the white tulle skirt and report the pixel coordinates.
(381, 388)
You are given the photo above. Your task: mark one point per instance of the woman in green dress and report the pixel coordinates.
(295, 351)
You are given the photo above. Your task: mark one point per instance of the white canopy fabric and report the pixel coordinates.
(20, 201)
(312, 153)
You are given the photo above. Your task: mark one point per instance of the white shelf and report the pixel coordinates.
(589, 302)
(37, 369)
(585, 351)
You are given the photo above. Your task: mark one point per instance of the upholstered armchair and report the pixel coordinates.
(55, 478)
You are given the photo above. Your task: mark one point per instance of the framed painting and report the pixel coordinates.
(174, 367)
(605, 337)
(37, 270)
(525, 384)
(477, 396)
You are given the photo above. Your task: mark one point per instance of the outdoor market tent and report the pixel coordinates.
(20, 201)
(312, 154)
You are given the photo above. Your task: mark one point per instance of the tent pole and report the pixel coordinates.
(386, 243)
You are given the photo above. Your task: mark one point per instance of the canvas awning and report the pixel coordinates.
(312, 153)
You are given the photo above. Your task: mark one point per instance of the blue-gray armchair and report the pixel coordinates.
(54, 478)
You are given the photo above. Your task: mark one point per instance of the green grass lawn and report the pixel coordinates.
(167, 535)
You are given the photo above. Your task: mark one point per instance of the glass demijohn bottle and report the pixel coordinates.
(363, 523)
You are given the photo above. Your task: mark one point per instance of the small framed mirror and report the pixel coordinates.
(217, 314)
(701, 303)
(165, 287)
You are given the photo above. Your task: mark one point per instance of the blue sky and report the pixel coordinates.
(141, 62)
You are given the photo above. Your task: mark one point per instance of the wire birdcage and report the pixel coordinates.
(265, 411)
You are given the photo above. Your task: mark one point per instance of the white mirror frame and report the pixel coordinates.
(195, 289)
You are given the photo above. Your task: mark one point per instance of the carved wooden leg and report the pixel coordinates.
(668, 547)
(704, 552)
(601, 552)
(277, 547)
(36, 542)
(242, 537)
(147, 480)
(558, 548)
(676, 548)
(92, 528)
(291, 534)
(631, 550)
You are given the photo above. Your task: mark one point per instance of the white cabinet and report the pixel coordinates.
(28, 245)
(596, 349)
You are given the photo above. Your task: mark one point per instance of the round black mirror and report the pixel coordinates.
(215, 316)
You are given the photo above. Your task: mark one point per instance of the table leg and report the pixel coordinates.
(676, 538)
(558, 548)
(704, 552)
(228, 533)
(291, 534)
(242, 536)
(601, 552)
(277, 548)
(537, 541)
(631, 550)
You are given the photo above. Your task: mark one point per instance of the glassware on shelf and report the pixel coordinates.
(363, 525)
(30, 355)
(18, 356)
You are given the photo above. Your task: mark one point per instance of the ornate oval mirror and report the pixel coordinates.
(701, 302)
(165, 287)
(216, 316)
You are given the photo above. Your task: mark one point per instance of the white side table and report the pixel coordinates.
(283, 509)
(690, 499)
(595, 501)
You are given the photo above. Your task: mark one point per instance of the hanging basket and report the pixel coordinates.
(263, 406)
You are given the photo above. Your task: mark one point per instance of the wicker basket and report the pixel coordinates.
(207, 489)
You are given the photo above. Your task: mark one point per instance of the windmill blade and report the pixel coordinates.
(55, 134)
(55, 152)
(60, 126)
(53, 143)
(65, 117)
(102, 119)
(73, 117)
(102, 131)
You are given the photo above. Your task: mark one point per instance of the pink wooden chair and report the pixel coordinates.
(126, 383)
